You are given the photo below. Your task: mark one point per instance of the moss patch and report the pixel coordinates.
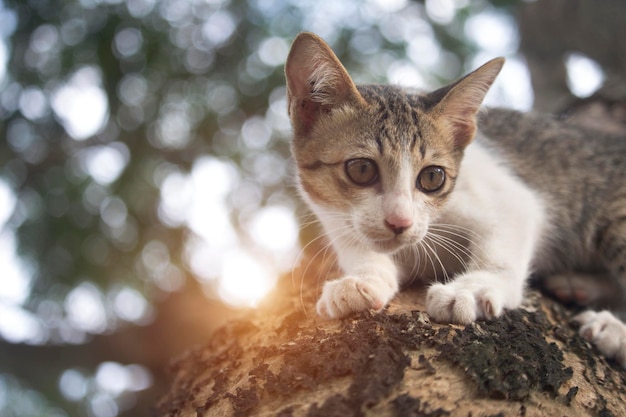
(509, 358)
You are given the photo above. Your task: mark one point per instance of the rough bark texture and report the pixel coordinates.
(281, 361)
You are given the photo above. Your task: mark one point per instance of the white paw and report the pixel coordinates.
(352, 294)
(606, 332)
(469, 297)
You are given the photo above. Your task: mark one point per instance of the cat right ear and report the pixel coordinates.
(316, 82)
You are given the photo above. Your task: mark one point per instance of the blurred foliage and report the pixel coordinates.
(174, 81)
(180, 78)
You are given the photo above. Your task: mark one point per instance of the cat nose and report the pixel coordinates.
(398, 225)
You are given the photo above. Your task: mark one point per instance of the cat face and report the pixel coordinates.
(375, 163)
(382, 169)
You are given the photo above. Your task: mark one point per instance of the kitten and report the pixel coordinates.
(406, 187)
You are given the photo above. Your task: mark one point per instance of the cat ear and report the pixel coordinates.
(316, 82)
(459, 102)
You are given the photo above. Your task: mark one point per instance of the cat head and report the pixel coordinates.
(377, 162)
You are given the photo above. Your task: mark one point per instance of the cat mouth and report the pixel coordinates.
(390, 245)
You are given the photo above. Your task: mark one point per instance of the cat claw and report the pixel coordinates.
(464, 300)
(606, 332)
(444, 305)
(348, 295)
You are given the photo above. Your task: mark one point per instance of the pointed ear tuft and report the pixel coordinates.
(316, 81)
(458, 108)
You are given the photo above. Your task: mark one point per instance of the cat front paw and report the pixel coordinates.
(349, 294)
(606, 332)
(469, 297)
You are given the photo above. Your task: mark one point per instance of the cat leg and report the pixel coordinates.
(611, 246)
(507, 221)
(606, 332)
(604, 329)
(371, 281)
(582, 288)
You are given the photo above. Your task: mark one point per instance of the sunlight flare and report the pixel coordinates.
(244, 281)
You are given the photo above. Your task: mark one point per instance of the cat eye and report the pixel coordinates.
(362, 171)
(431, 179)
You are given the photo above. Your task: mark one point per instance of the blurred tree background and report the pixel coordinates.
(146, 193)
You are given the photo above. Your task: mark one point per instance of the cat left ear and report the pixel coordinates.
(316, 82)
(457, 109)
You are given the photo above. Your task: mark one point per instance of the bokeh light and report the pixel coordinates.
(243, 279)
(81, 104)
(584, 75)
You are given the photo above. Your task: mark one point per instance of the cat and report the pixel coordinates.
(406, 186)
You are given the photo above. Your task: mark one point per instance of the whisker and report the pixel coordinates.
(452, 247)
(420, 252)
(475, 242)
(339, 233)
(416, 256)
(452, 228)
(436, 257)
(462, 244)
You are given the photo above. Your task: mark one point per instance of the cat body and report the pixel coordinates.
(407, 188)
(580, 174)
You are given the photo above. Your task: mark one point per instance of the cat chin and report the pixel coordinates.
(389, 246)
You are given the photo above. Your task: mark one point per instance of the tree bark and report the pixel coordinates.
(552, 29)
(284, 361)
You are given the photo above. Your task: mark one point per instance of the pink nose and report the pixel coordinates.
(398, 224)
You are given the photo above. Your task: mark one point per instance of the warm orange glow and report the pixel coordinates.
(244, 280)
